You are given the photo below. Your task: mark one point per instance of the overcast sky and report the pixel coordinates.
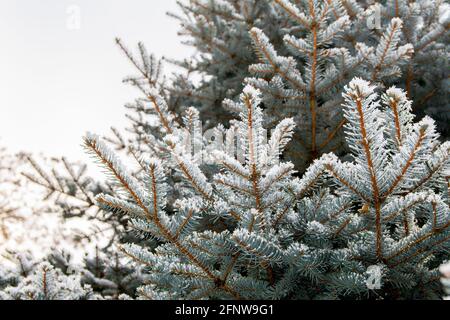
(58, 81)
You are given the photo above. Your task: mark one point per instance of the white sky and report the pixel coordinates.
(57, 83)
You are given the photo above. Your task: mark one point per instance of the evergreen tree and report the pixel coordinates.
(111, 275)
(73, 193)
(47, 283)
(253, 230)
(307, 52)
(256, 217)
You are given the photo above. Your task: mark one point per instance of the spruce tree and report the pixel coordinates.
(310, 184)
(300, 55)
(253, 230)
(47, 283)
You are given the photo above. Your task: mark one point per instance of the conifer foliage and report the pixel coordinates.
(253, 230)
(47, 283)
(321, 175)
(300, 54)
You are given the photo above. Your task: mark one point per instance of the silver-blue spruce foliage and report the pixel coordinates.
(253, 230)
